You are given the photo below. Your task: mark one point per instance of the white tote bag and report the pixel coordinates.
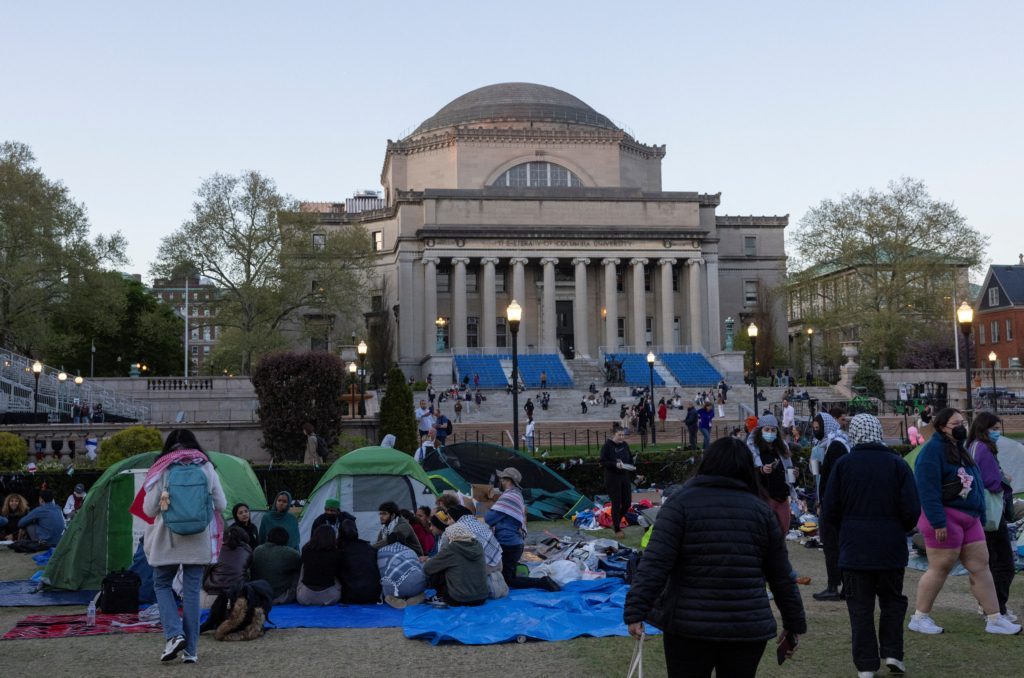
(636, 664)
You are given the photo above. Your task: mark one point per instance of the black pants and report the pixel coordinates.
(861, 588)
(1000, 562)
(510, 556)
(440, 585)
(829, 536)
(692, 430)
(620, 494)
(692, 658)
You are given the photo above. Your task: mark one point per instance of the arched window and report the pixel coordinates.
(546, 174)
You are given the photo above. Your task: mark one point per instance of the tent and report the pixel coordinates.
(364, 479)
(548, 495)
(1011, 459)
(103, 535)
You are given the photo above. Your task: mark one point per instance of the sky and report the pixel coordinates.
(776, 105)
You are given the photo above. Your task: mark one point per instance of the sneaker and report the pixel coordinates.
(803, 581)
(1011, 616)
(187, 658)
(827, 595)
(924, 624)
(436, 601)
(865, 674)
(1002, 626)
(896, 666)
(172, 648)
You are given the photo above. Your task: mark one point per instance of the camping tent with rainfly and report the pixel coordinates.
(364, 479)
(548, 495)
(103, 536)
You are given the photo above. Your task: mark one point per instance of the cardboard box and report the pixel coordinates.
(482, 507)
(482, 492)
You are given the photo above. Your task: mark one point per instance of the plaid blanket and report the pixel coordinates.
(38, 626)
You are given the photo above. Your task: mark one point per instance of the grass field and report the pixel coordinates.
(824, 652)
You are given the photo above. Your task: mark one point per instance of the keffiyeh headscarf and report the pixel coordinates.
(865, 428)
(833, 432)
(458, 532)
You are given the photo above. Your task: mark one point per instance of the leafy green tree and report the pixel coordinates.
(45, 245)
(270, 260)
(881, 266)
(396, 412)
(294, 388)
(869, 379)
(128, 442)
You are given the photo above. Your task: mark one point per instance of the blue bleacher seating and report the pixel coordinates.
(530, 367)
(487, 366)
(635, 369)
(690, 369)
(492, 375)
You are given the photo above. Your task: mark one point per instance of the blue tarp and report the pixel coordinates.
(43, 558)
(23, 594)
(335, 617)
(581, 608)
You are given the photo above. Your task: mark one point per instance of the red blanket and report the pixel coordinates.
(68, 625)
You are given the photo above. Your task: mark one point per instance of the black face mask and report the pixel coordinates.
(960, 433)
(819, 433)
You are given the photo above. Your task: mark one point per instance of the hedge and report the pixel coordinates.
(129, 442)
(13, 451)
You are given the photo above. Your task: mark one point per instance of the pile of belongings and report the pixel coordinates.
(602, 516)
(566, 559)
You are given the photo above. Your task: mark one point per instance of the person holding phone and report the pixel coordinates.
(702, 578)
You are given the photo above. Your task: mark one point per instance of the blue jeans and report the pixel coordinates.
(706, 432)
(163, 576)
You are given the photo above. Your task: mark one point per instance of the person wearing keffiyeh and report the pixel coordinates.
(508, 520)
(832, 446)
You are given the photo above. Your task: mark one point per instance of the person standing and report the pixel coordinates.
(530, 433)
(704, 417)
(458, 410)
(691, 420)
(871, 502)
(617, 462)
(169, 503)
(788, 415)
(832, 445)
(768, 451)
(543, 379)
(702, 578)
(528, 407)
(424, 419)
(311, 457)
(429, 444)
(441, 426)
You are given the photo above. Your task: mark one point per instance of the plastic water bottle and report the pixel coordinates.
(90, 614)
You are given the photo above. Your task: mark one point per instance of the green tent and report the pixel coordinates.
(364, 479)
(103, 536)
(911, 457)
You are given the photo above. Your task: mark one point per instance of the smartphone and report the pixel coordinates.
(789, 642)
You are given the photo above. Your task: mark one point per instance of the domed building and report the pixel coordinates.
(524, 191)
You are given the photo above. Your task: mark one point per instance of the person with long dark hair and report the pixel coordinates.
(243, 519)
(168, 548)
(357, 567)
(318, 581)
(981, 444)
(952, 513)
(769, 451)
(617, 462)
(702, 578)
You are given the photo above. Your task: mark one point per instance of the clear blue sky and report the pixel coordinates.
(775, 104)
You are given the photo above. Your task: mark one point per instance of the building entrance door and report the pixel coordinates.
(563, 328)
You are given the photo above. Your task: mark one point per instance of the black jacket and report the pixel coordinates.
(703, 575)
(872, 501)
(691, 418)
(358, 573)
(612, 452)
(836, 451)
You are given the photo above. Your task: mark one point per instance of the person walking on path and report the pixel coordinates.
(952, 512)
(831, 444)
(768, 452)
(172, 509)
(871, 503)
(704, 417)
(617, 462)
(702, 578)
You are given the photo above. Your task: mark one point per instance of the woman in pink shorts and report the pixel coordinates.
(952, 508)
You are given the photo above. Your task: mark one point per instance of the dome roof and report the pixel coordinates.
(515, 101)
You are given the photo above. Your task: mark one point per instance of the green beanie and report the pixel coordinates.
(332, 504)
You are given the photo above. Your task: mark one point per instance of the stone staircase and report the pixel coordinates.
(586, 372)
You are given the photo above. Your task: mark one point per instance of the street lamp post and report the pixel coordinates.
(361, 350)
(992, 360)
(752, 334)
(965, 317)
(61, 378)
(514, 313)
(810, 349)
(352, 369)
(654, 428)
(440, 323)
(37, 369)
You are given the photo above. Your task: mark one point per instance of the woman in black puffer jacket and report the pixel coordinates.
(702, 578)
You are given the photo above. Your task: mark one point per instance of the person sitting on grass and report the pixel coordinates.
(420, 522)
(14, 509)
(357, 567)
(43, 526)
(280, 516)
(243, 518)
(277, 564)
(395, 529)
(318, 584)
(232, 565)
(402, 579)
(331, 517)
(457, 572)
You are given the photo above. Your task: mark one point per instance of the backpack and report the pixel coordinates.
(119, 592)
(321, 448)
(190, 510)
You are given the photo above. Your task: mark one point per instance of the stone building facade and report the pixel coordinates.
(523, 191)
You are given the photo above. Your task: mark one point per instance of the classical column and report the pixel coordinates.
(579, 309)
(407, 319)
(519, 293)
(639, 309)
(696, 306)
(488, 317)
(611, 306)
(550, 340)
(457, 326)
(430, 304)
(714, 319)
(667, 306)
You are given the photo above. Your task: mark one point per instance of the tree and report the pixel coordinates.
(380, 333)
(269, 260)
(295, 388)
(44, 247)
(396, 412)
(882, 265)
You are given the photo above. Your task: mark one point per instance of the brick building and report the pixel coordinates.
(202, 328)
(999, 316)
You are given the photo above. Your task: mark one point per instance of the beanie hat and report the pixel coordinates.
(865, 428)
(767, 420)
(332, 504)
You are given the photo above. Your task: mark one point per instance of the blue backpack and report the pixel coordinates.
(191, 508)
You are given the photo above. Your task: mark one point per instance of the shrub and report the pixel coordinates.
(396, 412)
(13, 452)
(418, 386)
(129, 442)
(867, 378)
(294, 388)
